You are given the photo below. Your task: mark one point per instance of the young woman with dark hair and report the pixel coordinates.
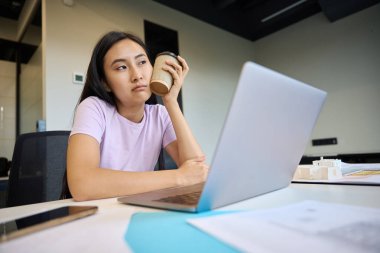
(116, 137)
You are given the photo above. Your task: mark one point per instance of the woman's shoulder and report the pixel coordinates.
(92, 100)
(156, 109)
(158, 113)
(95, 102)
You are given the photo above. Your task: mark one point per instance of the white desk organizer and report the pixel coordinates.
(320, 169)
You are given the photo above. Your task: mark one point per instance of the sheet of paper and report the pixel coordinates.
(308, 226)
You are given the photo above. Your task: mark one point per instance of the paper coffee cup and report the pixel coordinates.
(161, 80)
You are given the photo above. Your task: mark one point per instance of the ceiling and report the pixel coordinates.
(250, 19)
(11, 9)
(255, 19)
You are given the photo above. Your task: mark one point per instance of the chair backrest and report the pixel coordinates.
(38, 167)
(3, 167)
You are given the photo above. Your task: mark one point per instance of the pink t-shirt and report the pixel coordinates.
(124, 145)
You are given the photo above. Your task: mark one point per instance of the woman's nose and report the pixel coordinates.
(136, 74)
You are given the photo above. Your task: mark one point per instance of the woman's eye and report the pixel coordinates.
(142, 62)
(121, 67)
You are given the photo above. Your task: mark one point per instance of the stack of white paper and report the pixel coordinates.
(308, 226)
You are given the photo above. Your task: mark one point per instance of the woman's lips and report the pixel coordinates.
(140, 88)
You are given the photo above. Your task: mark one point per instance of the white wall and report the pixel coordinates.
(7, 94)
(31, 92)
(7, 108)
(215, 58)
(342, 58)
(30, 80)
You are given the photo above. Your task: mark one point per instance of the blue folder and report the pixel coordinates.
(169, 232)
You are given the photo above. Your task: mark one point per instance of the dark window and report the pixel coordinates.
(157, 40)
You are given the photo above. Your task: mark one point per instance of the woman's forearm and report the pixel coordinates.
(105, 183)
(188, 147)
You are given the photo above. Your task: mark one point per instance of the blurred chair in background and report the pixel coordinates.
(4, 167)
(38, 168)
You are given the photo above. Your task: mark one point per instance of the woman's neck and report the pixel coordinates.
(132, 113)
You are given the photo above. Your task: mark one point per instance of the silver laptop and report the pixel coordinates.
(263, 139)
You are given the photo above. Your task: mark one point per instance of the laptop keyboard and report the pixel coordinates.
(183, 199)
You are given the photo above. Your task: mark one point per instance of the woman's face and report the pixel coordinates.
(127, 72)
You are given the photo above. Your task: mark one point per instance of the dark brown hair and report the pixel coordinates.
(95, 73)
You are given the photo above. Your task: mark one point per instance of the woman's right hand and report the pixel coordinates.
(192, 171)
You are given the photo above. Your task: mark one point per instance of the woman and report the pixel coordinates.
(116, 138)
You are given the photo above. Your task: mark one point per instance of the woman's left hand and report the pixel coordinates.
(178, 72)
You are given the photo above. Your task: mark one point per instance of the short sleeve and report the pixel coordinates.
(89, 119)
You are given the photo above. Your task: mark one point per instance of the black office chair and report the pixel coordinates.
(38, 168)
(4, 167)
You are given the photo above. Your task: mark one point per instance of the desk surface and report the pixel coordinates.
(104, 231)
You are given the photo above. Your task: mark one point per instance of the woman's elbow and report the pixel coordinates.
(80, 191)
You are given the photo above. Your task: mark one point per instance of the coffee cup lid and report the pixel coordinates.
(167, 53)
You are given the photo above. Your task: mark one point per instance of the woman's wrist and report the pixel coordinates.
(170, 102)
(178, 178)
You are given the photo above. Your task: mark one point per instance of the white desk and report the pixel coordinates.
(104, 231)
